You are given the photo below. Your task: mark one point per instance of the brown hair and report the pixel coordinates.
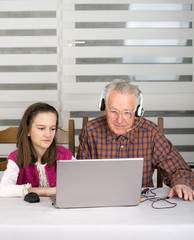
(26, 154)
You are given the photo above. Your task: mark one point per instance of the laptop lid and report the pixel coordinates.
(98, 182)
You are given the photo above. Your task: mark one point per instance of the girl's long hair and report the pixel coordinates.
(26, 154)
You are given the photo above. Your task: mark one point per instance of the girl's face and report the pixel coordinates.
(42, 131)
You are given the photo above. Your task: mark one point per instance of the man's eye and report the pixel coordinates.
(113, 111)
(127, 113)
(41, 128)
(53, 129)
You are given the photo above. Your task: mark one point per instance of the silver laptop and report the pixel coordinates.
(98, 183)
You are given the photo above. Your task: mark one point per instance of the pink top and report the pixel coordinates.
(31, 174)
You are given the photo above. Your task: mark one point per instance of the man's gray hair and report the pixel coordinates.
(122, 86)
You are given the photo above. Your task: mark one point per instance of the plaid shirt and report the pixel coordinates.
(146, 141)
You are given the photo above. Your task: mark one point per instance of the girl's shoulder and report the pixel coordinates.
(64, 153)
(12, 156)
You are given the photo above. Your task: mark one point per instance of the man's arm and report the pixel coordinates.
(177, 174)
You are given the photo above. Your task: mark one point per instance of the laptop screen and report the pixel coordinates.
(99, 182)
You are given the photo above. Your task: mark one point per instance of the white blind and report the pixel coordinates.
(148, 42)
(144, 41)
(28, 57)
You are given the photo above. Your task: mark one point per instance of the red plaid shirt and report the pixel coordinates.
(146, 141)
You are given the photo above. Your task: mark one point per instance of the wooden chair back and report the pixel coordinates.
(7, 136)
(67, 137)
(84, 121)
(3, 165)
(159, 176)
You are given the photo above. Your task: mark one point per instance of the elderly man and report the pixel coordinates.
(123, 132)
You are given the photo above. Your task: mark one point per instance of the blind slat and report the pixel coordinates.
(95, 34)
(45, 95)
(32, 77)
(28, 41)
(149, 51)
(128, 69)
(33, 23)
(122, 1)
(33, 5)
(96, 88)
(31, 59)
(116, 16)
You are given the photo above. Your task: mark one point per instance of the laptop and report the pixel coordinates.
(98, 183)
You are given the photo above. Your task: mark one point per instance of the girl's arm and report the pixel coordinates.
(43, 191)
(8, 187)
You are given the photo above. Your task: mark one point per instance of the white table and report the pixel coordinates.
(22, 220)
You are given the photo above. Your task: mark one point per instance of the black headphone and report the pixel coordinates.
(102, 104)
(138, 113)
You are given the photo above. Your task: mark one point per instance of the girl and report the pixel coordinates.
(32, 167)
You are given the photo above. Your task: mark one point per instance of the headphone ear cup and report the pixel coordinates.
(137, 111)
(102, 105)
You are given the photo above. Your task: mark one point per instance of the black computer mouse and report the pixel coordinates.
(32, 197)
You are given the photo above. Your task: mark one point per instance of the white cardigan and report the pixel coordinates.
(8, 187)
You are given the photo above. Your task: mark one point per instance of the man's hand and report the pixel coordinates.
(182, 191)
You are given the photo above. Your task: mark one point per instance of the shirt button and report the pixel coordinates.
(121, 146)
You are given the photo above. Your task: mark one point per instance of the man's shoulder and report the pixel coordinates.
(96, 123)
(148, 124)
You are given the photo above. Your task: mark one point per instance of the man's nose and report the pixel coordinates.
(120, 117)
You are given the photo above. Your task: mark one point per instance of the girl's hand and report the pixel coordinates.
(47, 192)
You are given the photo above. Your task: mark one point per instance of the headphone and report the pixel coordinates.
(101, 104)
(138, 113)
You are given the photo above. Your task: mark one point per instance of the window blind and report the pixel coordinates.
(28, 57)
(147, 42)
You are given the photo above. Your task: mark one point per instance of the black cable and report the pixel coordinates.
(155, 199)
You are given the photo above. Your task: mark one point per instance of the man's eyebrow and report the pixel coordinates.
(127, 109)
